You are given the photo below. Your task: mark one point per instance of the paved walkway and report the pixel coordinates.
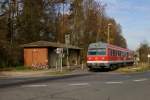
(5, 74)
(16, 78)
(38, 73)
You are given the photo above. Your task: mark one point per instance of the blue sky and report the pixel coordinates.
(134, 17)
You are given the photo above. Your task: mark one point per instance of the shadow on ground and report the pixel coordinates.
(103, 69)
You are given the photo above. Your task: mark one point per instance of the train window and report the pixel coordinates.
(101, 51)
(127, 54)
(124, 54)
(115, 52)
(111, 52)
(119, 53)
(92, 52)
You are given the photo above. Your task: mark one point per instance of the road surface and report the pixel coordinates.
(95, 86)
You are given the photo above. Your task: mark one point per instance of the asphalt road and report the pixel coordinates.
(95, 86)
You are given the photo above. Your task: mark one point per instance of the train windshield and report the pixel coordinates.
(100, 51)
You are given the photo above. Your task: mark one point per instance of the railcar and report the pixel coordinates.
(104, 55)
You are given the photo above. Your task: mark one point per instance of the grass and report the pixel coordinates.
(59, 73)
(23, 70)
(16, 68)
(134, 69)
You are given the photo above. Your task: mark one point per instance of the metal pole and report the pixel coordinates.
(63, 20)
(68, 58)
(82, 65)
(56, 63)
(61, 57)
(108, 35)
(149, 60)
(61, 63)
(148, 55)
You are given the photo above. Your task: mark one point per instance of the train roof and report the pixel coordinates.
(106, 45)
(98, 45)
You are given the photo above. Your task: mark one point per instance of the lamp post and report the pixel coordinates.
(148, 49)
(108, 34)
(148, 59)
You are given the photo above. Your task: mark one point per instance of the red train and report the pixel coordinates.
(103, 55)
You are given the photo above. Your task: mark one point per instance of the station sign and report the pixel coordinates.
(67, 39)
(59, 50)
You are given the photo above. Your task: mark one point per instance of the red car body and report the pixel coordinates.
(106, 55)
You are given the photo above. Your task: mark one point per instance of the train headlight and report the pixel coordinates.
(89, 58)
(96, 58)
(103, 58)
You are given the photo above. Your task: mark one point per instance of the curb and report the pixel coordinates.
(41, 79)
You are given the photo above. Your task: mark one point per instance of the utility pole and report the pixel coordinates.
(108, 34)
(148, 59)
(63, 14)
(13, 12)
(74, 27)
(10, 21)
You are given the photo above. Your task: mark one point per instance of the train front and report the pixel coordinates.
(97, 56)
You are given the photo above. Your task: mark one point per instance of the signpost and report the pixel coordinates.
(67, 41)
(59, 51)
(68, 58)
